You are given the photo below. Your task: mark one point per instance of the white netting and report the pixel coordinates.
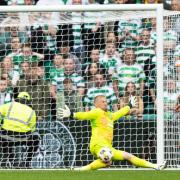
(171, 87)
(76, 56)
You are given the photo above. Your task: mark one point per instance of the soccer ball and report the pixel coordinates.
(105, 154)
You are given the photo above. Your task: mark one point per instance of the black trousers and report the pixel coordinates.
(7, 145)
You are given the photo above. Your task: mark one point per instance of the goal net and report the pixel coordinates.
(68, 58)
(171, 69)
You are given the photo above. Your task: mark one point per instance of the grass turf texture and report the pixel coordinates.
(90, 175)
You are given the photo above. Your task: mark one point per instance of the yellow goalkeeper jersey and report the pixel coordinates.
(102, 124)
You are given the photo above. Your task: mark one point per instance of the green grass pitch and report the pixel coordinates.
(90, 175)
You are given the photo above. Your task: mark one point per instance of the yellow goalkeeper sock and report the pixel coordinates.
(142, 163)
(97, 164)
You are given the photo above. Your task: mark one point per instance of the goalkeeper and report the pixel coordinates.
(102, 135)
(18, 123)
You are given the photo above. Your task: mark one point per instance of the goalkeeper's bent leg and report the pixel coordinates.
(97, 164)
(122, 155)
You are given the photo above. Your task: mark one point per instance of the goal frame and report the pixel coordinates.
(158, 8)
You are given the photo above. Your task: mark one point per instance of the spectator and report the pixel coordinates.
(153, 37)
(145, 49)
(168, 66)
(92, 70)
(128, 33)
(149, 98)
(151, 84)
(95, 55)
(78, 81)
(120, 1)
(111, 37)
(24, 69)
(36, 37)
(170, 41)
(175, 5)
(58, 66)
(21, 2)
(127, 1)
(38, 90)
(171, 95)
(177, 65)
(53, 2)
(69, 97)
(28, 55)
(170, 37)
(169, 71)
(130, 90)
(167, 4)
(8, 68)
(64, 49)
(29, 2)
(129, 71)
(5, 94)
(110, 59)
(41, 71)
(93, 29)
(95, 60)
(50, 40)
(15, 47)
(8, 33)
(78, 47)
(100, 89)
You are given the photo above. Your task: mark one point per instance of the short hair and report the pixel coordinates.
(40, 64)
(26, 45)
(98, 96)
(58, 54)
(67, 81)
(64, 44)
(100, 73)
(69, 58)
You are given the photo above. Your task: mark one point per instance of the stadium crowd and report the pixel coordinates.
(70, 64)
(168, 4)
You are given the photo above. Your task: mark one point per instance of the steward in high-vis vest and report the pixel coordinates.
(18, 125)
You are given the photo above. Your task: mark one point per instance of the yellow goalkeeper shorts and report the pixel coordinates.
(117, 154)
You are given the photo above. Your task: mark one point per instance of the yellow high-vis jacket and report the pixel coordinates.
(17, 117)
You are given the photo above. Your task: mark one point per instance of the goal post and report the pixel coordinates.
(160, 105)
(64, 136)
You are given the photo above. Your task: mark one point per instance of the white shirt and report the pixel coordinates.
(5, 97)
(50, 2)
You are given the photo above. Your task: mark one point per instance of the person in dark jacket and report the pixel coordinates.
(39, 92)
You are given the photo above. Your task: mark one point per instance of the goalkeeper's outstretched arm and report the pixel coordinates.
(100, 104)
(65, 113)
(125, 110)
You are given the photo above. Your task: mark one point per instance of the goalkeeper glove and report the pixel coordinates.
(64, 112)
(132, 101)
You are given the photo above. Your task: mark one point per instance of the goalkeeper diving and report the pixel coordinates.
(102, 124)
